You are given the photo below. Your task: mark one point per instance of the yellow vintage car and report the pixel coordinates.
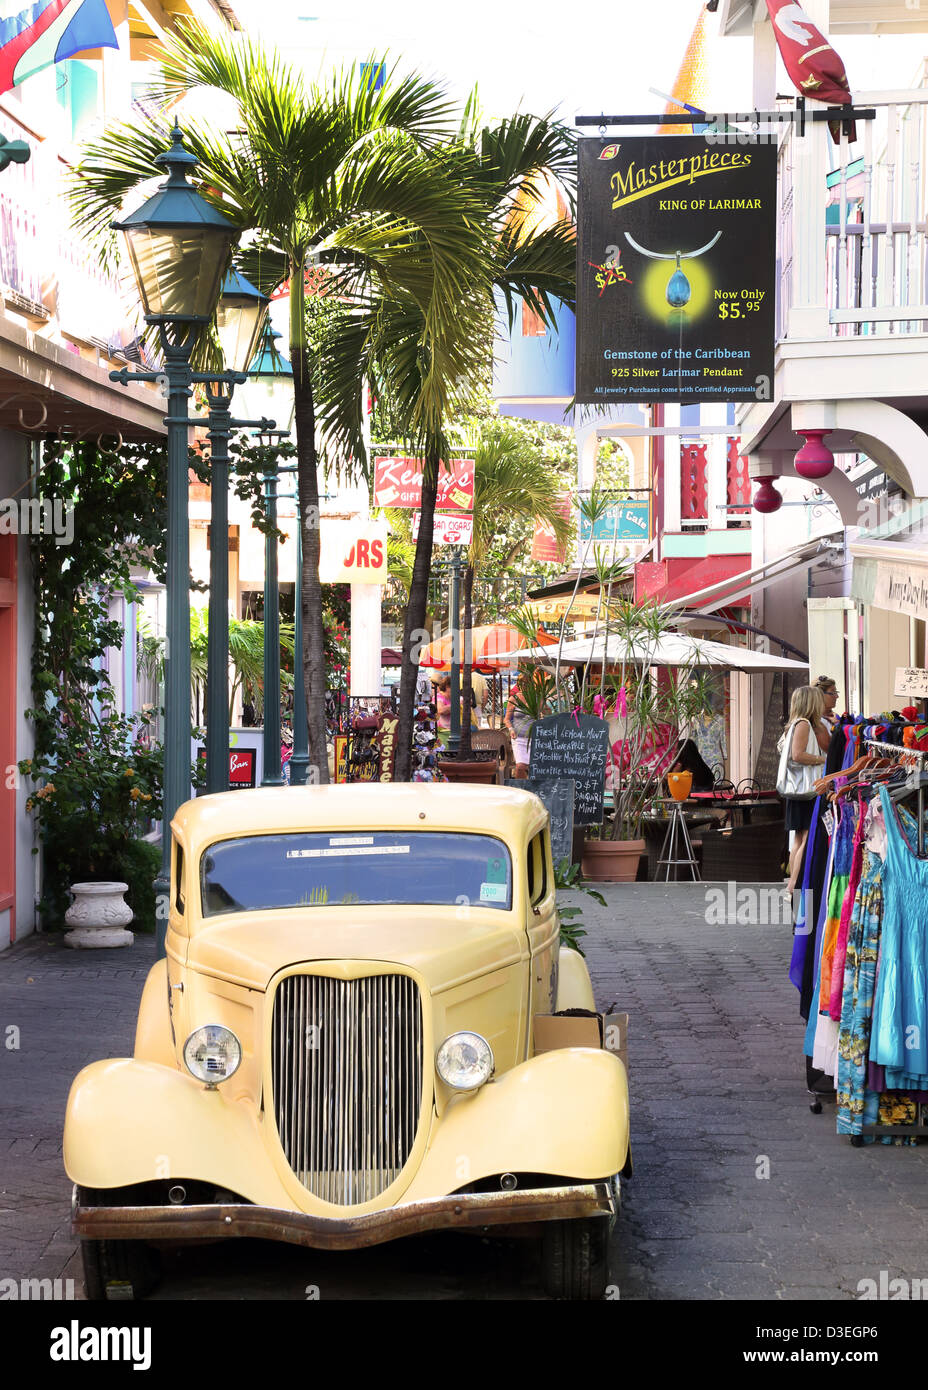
(340, 1047)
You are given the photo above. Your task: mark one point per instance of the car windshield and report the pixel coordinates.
(260, 873)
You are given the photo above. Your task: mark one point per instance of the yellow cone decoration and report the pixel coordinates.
(691, 85)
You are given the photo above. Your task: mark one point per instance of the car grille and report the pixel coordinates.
(346, 1072)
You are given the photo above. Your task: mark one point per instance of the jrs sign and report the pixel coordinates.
(353, 552)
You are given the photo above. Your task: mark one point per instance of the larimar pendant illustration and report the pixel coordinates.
(678, 288)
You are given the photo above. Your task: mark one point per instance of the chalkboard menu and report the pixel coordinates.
(573, 746)
(557, 793)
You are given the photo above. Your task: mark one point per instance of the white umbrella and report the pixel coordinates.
(670, 649)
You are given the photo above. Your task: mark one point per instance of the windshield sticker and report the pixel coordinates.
(341, 853)
(351, 839)
(493, 892)
(496, 871)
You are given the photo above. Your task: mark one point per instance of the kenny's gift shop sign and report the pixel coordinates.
(676, 270)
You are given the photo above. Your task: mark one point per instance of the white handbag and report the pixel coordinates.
(794, 780)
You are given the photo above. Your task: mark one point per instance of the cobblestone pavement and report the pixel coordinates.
(739, 1191)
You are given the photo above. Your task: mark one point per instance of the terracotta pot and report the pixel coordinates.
(612, 861)
(457, 771)
(680, 784)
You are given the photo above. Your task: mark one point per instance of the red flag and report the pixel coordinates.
(814, 67)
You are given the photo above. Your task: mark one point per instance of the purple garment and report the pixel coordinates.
(876, 1077)
(840, 955)
(802, 929)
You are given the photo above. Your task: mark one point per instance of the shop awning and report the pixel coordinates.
(740, 587)
(670, 649)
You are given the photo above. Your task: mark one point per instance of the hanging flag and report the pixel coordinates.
(814, 67)
(33, 36)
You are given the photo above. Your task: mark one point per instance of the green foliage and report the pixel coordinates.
(120, 506)
(101, 786)
(567, 876)
(97, 774)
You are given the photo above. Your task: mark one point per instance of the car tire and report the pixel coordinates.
(115, 1269)
(575, 1258)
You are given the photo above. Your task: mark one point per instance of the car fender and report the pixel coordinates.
(154, 1038)
(574, 990)
(564, 1112)
(131, 1121)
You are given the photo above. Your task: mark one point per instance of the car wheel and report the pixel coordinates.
(116, 1269)
(575, 1258)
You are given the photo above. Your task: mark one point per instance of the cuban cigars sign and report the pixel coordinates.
(448, 528)
(398, 483)
(353, 552)
(676, 270)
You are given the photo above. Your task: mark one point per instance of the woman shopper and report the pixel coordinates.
(829, 689)
(805, 743)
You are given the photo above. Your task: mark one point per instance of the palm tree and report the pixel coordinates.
(509, 482)
(506, 168)
(342, 178)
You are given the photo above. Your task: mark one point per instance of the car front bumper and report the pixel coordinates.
(467, 1211)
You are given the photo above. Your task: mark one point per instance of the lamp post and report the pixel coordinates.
(272, 775)
(179, 247)
(240, 317)
(454, 604)
(270, 387)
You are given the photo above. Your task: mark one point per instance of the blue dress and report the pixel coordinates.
(899, 1039)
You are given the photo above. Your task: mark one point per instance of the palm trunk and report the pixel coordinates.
(304, 419)
(466, 747)
(414, 626)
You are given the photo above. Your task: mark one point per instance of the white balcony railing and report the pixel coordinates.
(866, 263)
(45, 268)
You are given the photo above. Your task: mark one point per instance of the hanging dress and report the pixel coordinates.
(900, 1009)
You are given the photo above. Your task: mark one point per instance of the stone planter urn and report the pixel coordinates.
(98, 916)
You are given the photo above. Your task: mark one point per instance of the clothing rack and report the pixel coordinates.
(920, 1127)
(918, 760)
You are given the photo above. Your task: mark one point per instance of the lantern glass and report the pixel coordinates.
(239, 324)
(178, 269)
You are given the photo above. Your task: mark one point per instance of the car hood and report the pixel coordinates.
(444, 945)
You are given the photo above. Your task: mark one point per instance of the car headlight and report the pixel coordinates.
(212, 1053)
(465, 1061)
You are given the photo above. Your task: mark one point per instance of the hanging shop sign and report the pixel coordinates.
(353, 552)
(546, 549)
(901, 589)
(676, 270)
(385, 742)
(622, 521)
(398, 483)
(448, 528)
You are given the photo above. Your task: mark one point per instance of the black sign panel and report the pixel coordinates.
(573, 746)
(676, 269)
(557, 793)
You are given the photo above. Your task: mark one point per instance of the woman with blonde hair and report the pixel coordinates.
(805, 745)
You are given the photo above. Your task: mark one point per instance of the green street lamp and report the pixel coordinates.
(240, 317)
(13, 152)
(179, 248)
(270, 387)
